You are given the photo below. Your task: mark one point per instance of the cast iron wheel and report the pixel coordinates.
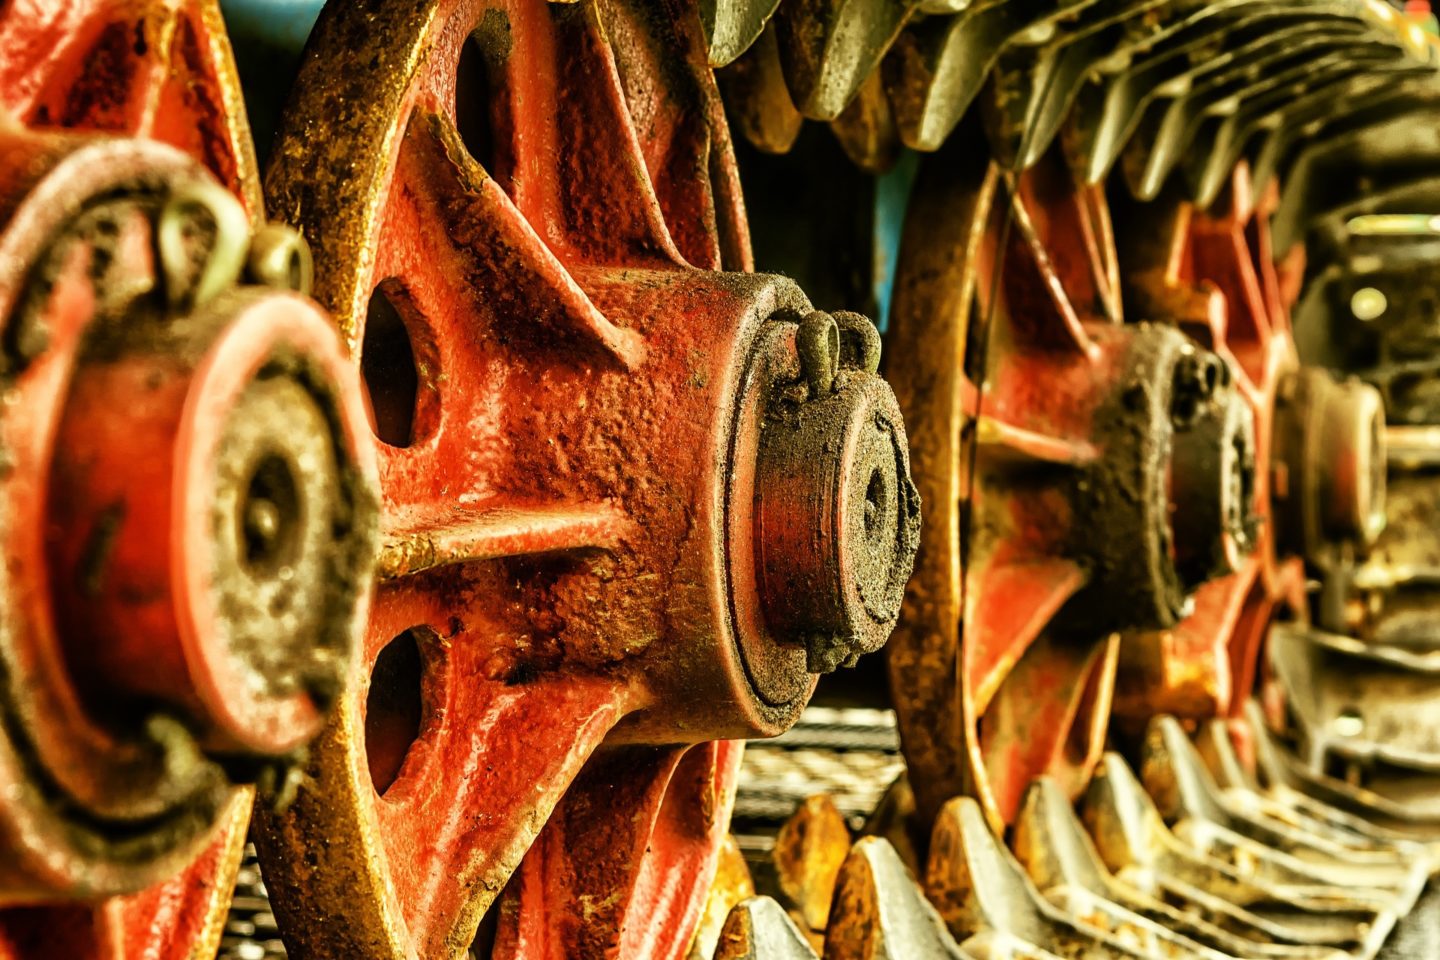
(527, 222)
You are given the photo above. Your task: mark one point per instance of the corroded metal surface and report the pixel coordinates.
(635, 497)
(1064, 532)
(1146, 87)
(145, 693)
(615, 475)
(189, 693)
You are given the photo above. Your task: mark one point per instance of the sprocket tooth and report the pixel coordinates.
(1329, 83)
(1136, 845)
(732, 886)
(1035, 86)
(1322, 122)
(1107, 107)
(810, 850)
(1176, 776)
(1329, 682)
(1052, 844)
(1217, 90)
(866, 128)
(829, 48)
(1281, 803)
(880, 914)
(758, 929)
(938, 67)
(1305, 156)
(1216, 742)
(1202, 42)
(759, 101)
(1061, 859)
(893, 819)
(1282, 799)
(733, 26)
(1280, 765)
(979, 886)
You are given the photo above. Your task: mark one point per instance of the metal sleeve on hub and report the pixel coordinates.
(837, 520)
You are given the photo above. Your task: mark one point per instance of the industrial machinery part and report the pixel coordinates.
(1042, 521)
(1191, 858)
(1173, 97)
(1153, 87)
(1000, 678)
(1023, 602)
(1350, 695)
(1068, 443)
(634, 497)
(189, 495)
(1319, 473)
(1370, 307)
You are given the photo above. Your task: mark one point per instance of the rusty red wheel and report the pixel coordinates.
(1212, 274)
(182, 579)
(1095, 562)
(634, 496)
(1094, 474)
(1319, 484)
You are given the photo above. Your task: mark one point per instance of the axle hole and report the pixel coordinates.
(270, 515)
(387, 364)
(394, 707)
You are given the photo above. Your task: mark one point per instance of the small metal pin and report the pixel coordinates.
(818, 344)
(280, 258)
(197, 268)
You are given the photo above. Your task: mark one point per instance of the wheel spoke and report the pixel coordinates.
(1038, 312)
(462, 535)
(178, 916)
(1000, 442)
(491, 241)
(1220, 254)
(557, 132)
(434, 781)
(1049, 717)
(681, 130)
(1071, 223)
(1202, 642)
(438, 409)
(1012, 603)
(622, 866)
